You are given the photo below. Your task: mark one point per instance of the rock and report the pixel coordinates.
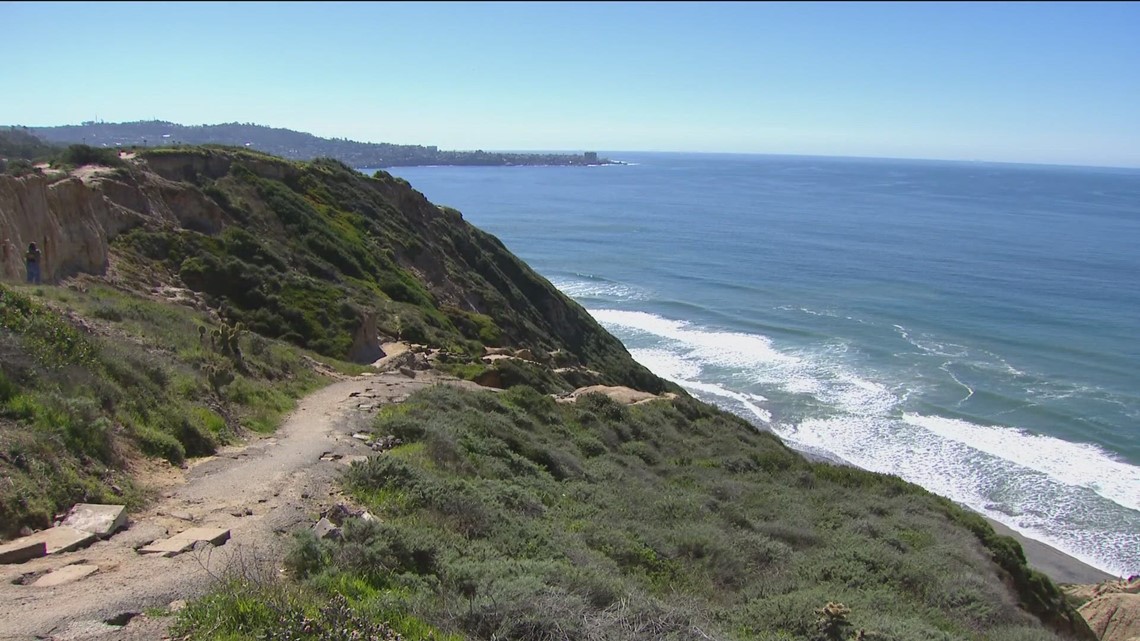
(362, 436)
(407, 371)
(490, 378)
(66, 574)
(22, 550)
(179, 543)
(338, 513)
(100, 520)
(61, 539)
(324, 529)
(366, 343)
(1114, 616)
(525, 354)
(386, 443)
(420, 362)
(623, 395)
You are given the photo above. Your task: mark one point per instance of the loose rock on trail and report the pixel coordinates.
(256, 494)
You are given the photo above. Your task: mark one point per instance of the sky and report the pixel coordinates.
(1035, 82)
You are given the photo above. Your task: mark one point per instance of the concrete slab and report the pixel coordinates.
(324, 528)
(66, 574)
(62, 539)
(22, 550)
(183, 541)
(100, 520)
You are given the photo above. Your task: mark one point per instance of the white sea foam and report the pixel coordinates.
(1031, 483)
(1076, 464)
(755, 358)
(667, 364)
(729, 349)
(1033, 502)
(685, 372)
(606, 290)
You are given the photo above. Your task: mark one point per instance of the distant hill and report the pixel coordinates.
(294, 145)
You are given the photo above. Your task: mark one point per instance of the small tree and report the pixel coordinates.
(832, 622)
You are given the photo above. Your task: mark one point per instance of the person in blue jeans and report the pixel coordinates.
(32, 259)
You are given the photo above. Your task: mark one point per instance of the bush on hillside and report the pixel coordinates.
(80, 155)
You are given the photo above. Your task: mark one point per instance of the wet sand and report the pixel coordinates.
(1054, 563)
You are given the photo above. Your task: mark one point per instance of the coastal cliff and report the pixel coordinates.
(315, 253)
(201, 290)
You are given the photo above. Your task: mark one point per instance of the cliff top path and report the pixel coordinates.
(260, 491)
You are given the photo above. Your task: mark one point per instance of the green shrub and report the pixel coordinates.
(79, 155)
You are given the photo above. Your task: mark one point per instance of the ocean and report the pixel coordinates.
(970, 327)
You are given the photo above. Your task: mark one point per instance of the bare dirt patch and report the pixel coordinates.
(260, 492)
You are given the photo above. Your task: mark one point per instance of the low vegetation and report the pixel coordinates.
(511, 516)
(92, 378)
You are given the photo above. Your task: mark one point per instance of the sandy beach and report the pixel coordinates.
(1057, 565)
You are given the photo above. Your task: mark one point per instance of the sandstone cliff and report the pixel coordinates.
(313, 253)
(73, 217)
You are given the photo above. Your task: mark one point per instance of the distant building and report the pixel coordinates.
(591, 156)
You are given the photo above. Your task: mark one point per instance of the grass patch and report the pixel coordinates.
(79, 397)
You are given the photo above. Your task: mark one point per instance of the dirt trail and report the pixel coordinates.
(260, 492)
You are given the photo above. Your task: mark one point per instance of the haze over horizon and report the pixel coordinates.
(1043, 83)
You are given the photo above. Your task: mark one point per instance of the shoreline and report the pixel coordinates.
(1060, 567)
(1050, 561)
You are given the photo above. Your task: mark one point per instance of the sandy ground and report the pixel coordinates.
(1057, 565)
(261, 492)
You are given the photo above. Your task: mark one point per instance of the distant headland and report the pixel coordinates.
(295, 145)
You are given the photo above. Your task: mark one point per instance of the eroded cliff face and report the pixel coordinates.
(314, 253)
(73, 217)
(66, 218)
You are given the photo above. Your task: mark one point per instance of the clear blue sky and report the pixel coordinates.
(1023, 82)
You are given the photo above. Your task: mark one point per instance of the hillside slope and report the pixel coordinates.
(312, 253)
(205, 286)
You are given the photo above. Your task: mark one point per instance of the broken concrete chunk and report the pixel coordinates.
(100, 520)
(179, 543)
(61, 539)
(66, 574)
(22, 550)
(325, 529)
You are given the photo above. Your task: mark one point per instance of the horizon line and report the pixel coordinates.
(632, 151)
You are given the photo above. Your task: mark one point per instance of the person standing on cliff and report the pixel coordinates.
(32, 260)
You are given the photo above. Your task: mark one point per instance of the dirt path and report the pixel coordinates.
(260, 492)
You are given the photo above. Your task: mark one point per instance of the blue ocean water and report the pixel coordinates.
(970, 327)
